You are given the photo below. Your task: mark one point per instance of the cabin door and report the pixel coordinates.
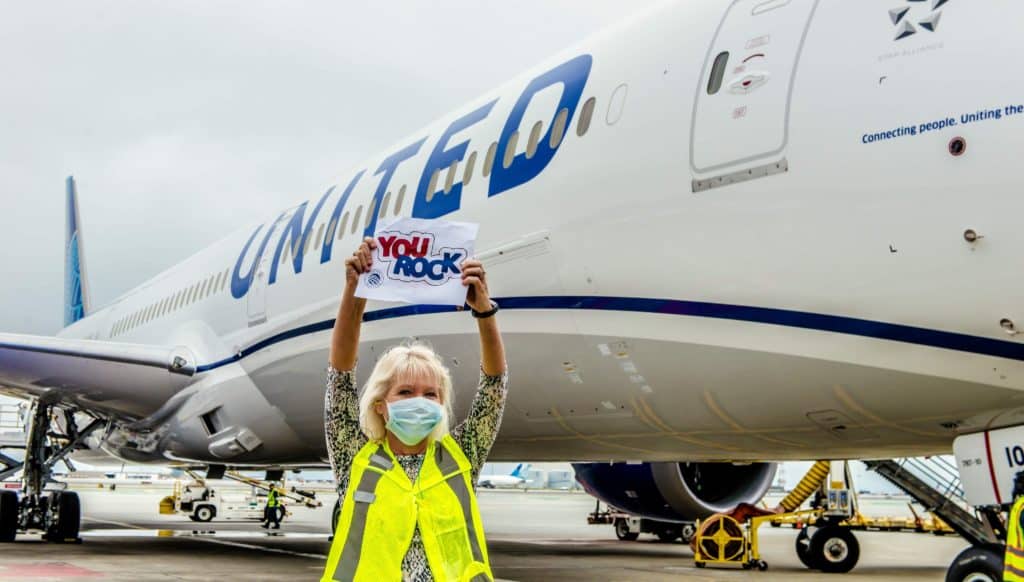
(741, 112)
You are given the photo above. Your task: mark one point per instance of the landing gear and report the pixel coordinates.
(977, 564)
(57, 513)
(65, 513)
(803, 549)
(833, 549)
(8, 515)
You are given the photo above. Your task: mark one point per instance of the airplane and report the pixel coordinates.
(513, 479)
(722, 235)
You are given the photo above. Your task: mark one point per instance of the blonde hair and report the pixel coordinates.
(411, 359)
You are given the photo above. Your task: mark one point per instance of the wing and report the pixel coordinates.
(129, 381)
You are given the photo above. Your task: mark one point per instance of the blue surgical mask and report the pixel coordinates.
(412, 419)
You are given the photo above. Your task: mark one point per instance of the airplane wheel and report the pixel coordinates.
(834, 549)
(204, 513)
(8, 516)
(66, 517)
(622, 531)
(980, 564)
(803, 549)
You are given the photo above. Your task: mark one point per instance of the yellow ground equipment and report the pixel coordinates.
(723, 541)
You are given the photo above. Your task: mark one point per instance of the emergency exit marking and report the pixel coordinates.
(1015, 456)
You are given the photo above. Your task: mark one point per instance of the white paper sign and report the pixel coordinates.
(419, 261)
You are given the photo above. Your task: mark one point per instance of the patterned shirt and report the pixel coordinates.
(345, 438)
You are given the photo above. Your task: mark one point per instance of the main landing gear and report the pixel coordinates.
(830, 548)
(43, 505)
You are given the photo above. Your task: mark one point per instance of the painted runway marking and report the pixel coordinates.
(205, 538)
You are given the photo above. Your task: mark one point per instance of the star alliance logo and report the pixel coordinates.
(903, 17)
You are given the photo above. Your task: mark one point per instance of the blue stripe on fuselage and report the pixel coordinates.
(766, 315)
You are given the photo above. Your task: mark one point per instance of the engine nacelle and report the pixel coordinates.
(675, 491)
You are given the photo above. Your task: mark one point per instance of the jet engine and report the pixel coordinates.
(675, 491)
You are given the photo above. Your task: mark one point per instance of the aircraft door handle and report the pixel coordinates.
(747, 83)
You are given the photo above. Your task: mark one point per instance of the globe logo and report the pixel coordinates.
(374, 279)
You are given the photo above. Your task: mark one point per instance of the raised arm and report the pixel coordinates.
(478, 432)
(492, 350)
(345, 339)
(341, 402)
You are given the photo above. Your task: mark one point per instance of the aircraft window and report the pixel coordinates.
(510, 150)
(344, 223)
(218, 283)
(558, 129)
(308, 245)
(212, 281)
(401, 199)
(227, 276)
(467, 175)
(355, 219)
(370, 212)
(202, 289)
(319, 236)
(531, 144)
(489, 159)
(178, 298)
(285, 252)
(432, 187)
(718, 72)
(585, 115)
(192, 294)
(331, 229)
(450, 180)
(384, 205)
(163, 306)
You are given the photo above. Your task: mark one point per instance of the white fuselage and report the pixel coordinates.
(773, 271)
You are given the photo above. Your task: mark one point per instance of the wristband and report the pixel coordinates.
(485, 314)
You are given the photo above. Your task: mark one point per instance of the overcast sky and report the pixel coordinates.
(182, 120)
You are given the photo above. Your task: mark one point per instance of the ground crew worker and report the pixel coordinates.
(1013, 560)
(272, 511)
(409, 511)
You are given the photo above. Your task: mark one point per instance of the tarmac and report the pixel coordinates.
(531, 536)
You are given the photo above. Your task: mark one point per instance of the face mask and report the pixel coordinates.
(412, 419)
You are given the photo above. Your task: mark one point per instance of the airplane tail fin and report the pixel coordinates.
(76, 285)
(520, 470)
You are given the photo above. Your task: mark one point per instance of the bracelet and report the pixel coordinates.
(485, 314)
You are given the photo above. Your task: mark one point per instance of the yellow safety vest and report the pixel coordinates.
(382, 509)
(272, 498)
(1013, 561)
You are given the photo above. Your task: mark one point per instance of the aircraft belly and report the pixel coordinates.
(674, 387)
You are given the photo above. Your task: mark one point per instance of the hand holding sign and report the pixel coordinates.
(420, 261)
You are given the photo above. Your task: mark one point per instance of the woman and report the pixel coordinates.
(409, 512)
